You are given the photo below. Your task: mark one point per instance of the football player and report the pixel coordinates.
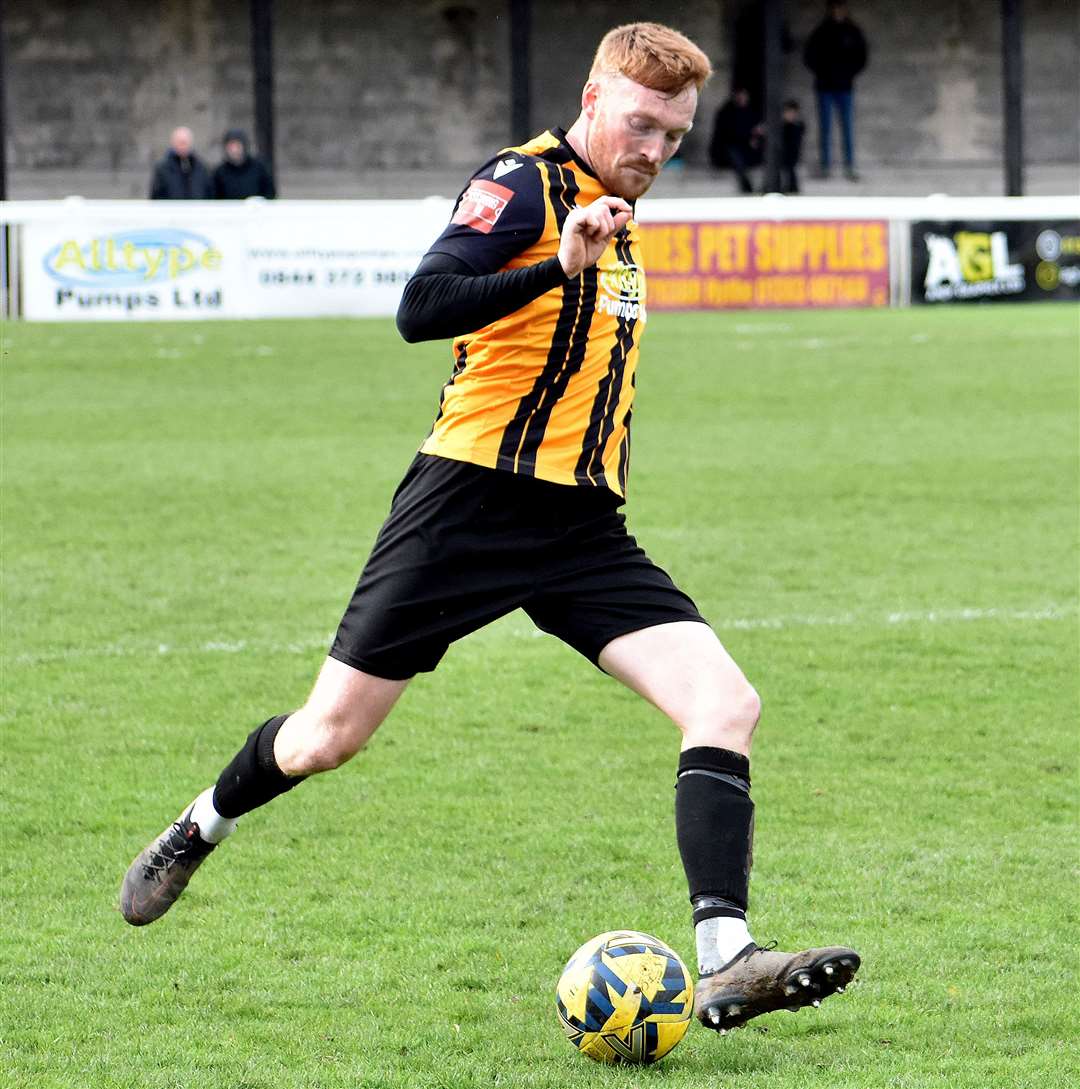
(513, 501)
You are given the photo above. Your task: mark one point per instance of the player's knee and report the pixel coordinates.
(727, 717)
(747, 711)
(333, 750)
(331, 738)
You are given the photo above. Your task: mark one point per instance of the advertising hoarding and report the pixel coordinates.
(767, 264)
(156, 266)
(87, 272)
(995, 261)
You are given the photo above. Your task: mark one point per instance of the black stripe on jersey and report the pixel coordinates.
(624, 446)
(536, 428)
(459, 365)
(579, 341)
(590, 466)
(562, 191)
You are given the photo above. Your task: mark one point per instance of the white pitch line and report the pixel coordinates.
(1032, 614)
(926, 616)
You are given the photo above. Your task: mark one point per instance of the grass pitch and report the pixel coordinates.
(878, 512)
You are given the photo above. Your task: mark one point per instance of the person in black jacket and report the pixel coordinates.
(791, 135)
(181, 175)
(736, 138)
(836, 52)
(240, 174)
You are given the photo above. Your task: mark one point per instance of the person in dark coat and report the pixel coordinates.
(240, 174)
(181, 175)
(791, 135)
(736, 138)
(836, 52)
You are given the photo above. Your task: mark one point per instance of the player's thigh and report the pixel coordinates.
(345, 708)
(683, 669)
(453, 555)
(350, 697)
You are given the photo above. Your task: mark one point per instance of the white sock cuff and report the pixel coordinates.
(213, 827)
(719, 940)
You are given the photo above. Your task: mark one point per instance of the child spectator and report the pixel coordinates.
(791, 146)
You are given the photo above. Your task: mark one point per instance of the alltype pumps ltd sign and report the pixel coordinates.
(133, 272)
(182, 260)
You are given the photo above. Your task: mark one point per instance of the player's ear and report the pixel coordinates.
(590, 95)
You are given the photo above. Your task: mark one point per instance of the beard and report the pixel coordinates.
(630, 181)
(622, 175)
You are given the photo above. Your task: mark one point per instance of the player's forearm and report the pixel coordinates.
(445, 299)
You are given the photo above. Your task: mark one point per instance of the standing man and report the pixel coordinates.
(181, 175)
(240, 174)
(836, 52)
(513, 502)
(737, 138)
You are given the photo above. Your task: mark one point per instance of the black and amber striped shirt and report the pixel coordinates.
(548, 390)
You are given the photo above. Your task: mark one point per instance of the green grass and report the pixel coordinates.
(877, 510)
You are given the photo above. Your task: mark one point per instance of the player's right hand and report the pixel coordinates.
(587, 232)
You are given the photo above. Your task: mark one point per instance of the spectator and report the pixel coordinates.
(791, 146)
(240, 173)
(836, 53)
(180, 175)
(736, 138)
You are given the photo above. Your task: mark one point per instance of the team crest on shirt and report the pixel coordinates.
(482, 204)
(622, 291)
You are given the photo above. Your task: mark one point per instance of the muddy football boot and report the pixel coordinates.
(761, 980)
(161, 872)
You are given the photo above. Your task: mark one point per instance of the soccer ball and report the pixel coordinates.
(625, 997)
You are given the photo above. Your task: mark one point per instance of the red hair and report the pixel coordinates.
(653, 55)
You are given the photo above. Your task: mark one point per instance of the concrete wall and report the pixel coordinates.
(932, 91)
(373, 90)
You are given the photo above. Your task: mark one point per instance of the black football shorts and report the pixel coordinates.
(464, 545)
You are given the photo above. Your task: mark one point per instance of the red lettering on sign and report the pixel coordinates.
(482, 204)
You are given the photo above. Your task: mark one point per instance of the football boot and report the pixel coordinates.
(759, 980)
(162, 870)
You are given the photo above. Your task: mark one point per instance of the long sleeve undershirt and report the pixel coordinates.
(445, 298)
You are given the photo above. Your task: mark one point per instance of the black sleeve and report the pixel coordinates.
(445, 298)
(157, 184)
(500, 213)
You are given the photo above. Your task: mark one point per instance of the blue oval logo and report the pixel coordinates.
(135, 258)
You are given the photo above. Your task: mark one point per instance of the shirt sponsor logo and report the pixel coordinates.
(622, 291)
(482, 204)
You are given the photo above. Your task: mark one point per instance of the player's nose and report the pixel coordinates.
(654, 152)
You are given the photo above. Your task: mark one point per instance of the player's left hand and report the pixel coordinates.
(587, 232)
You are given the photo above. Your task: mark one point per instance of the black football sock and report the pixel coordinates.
(714, 825)
(253, 778)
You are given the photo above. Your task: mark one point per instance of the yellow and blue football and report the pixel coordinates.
(625, 997)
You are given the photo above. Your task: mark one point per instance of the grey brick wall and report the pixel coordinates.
(366, 89)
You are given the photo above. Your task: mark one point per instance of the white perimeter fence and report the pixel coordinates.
(85, 260)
